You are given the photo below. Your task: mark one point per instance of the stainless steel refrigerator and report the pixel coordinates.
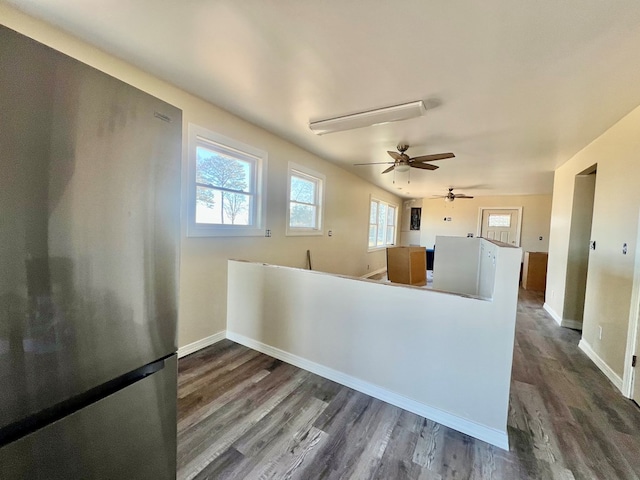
(89, 233)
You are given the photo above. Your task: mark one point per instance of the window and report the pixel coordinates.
(382, 224)
(226, 186)
(500, 220)
(304, 210)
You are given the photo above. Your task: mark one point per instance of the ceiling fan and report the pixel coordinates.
(450, 197)
(402, 161)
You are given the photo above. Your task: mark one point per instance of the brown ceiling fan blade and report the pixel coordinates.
(433, 157)
(389, 169)
(462, 195)
(395, 155)
(424, 166)
(375, 163)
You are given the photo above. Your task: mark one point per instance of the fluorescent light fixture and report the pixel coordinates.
(371, 117)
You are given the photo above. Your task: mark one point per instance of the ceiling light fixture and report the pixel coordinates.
(403, 167)
(368, 118)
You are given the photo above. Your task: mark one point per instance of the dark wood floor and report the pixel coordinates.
(244, 415)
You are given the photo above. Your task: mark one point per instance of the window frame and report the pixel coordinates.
(200, 136)
(377, 247)
(306, 173)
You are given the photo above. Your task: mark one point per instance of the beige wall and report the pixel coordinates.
(408, 236)
(615, 221)
(536, 214)
(203, 270)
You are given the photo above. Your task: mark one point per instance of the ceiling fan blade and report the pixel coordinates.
(375, 163)
(395, 155)
(433, 157)
(389, 169)
(462, 195)
(424, 166)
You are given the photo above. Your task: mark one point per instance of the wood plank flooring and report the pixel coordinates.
(244, 415)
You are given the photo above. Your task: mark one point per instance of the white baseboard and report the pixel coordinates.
(375, 272)
(563, 322)
(601, 364)
(552, 313)
(499, 438)
(574, 324)
(202, 343)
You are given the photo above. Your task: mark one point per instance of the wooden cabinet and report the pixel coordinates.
(534, 271)
(407, 265)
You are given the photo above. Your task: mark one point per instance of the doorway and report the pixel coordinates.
(631, 380)
(501, 224)
(579, 247)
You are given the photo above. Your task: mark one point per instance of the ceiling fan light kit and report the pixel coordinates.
(368, 118)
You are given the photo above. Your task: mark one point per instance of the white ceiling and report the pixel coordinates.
(514, 89)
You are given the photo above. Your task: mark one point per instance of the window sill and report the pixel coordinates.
(304, 233)
(377, 249)
(223, 231)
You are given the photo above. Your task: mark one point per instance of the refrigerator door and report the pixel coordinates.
(89, 225)
(128, 435)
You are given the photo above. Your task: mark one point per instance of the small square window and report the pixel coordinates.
(304, 208)
(500, 220)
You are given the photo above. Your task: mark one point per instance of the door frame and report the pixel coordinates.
(518, 228)
(634, 325)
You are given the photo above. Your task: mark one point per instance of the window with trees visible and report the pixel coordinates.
(226, 180)
(304, 209)
(382, 224)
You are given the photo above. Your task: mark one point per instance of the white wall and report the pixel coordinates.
(443, 356)
(487, 268)
(466, 265)
(203, 278)
(615, 222)
(455, 264)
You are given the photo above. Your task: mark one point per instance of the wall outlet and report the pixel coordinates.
(330, 233)
(599, 332)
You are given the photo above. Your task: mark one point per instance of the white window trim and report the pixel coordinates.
(301, 231)
(395, 224)
(259, 215)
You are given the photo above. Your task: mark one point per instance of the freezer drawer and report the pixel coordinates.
(130, 434)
